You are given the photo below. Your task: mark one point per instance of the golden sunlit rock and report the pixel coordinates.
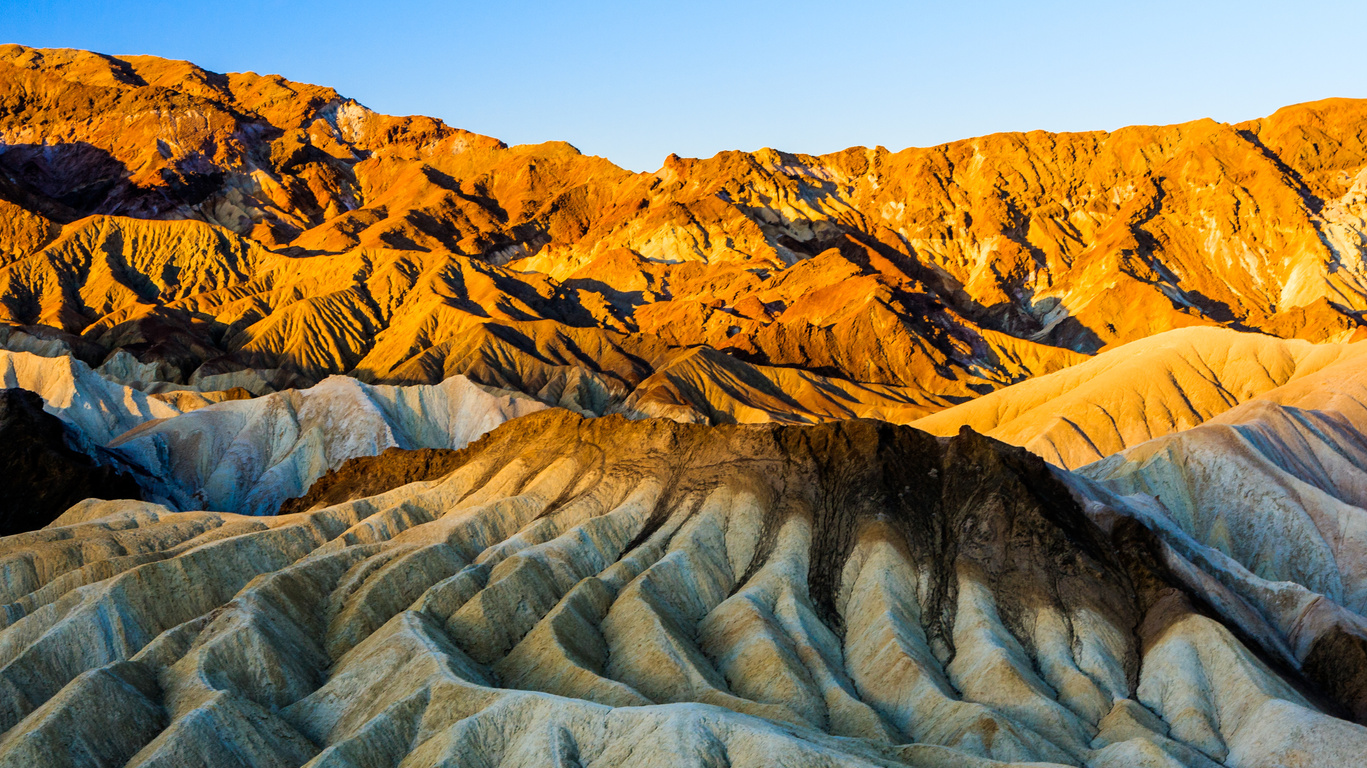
(273, 225)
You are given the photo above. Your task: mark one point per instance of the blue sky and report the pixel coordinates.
(636, 81)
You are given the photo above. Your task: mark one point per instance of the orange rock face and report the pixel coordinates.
(218, 222)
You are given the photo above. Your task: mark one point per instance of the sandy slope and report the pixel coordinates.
(1146, 389)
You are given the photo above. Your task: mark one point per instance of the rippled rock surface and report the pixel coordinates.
(614, 592)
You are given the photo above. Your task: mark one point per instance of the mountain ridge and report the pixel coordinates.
(335, 240)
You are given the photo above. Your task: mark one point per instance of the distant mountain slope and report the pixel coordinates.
(218, 222)
(1145, 389)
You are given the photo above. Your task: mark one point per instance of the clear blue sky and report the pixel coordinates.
(636, 81)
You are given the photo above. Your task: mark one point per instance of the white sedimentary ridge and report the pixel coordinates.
(247, 456)
(99, 408)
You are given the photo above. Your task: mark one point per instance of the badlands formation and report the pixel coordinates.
(339, 439)
(214, 224)
(601, 591)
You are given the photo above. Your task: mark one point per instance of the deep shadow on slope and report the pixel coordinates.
(369, 475)
(41, 475)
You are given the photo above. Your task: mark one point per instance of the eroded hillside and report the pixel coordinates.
(209, 223)
(858, 580)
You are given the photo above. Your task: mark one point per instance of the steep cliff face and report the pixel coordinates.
(684, 591)
(216, 222)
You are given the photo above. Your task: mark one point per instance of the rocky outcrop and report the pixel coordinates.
(846, 594)
(372, 475)
(44, 472)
